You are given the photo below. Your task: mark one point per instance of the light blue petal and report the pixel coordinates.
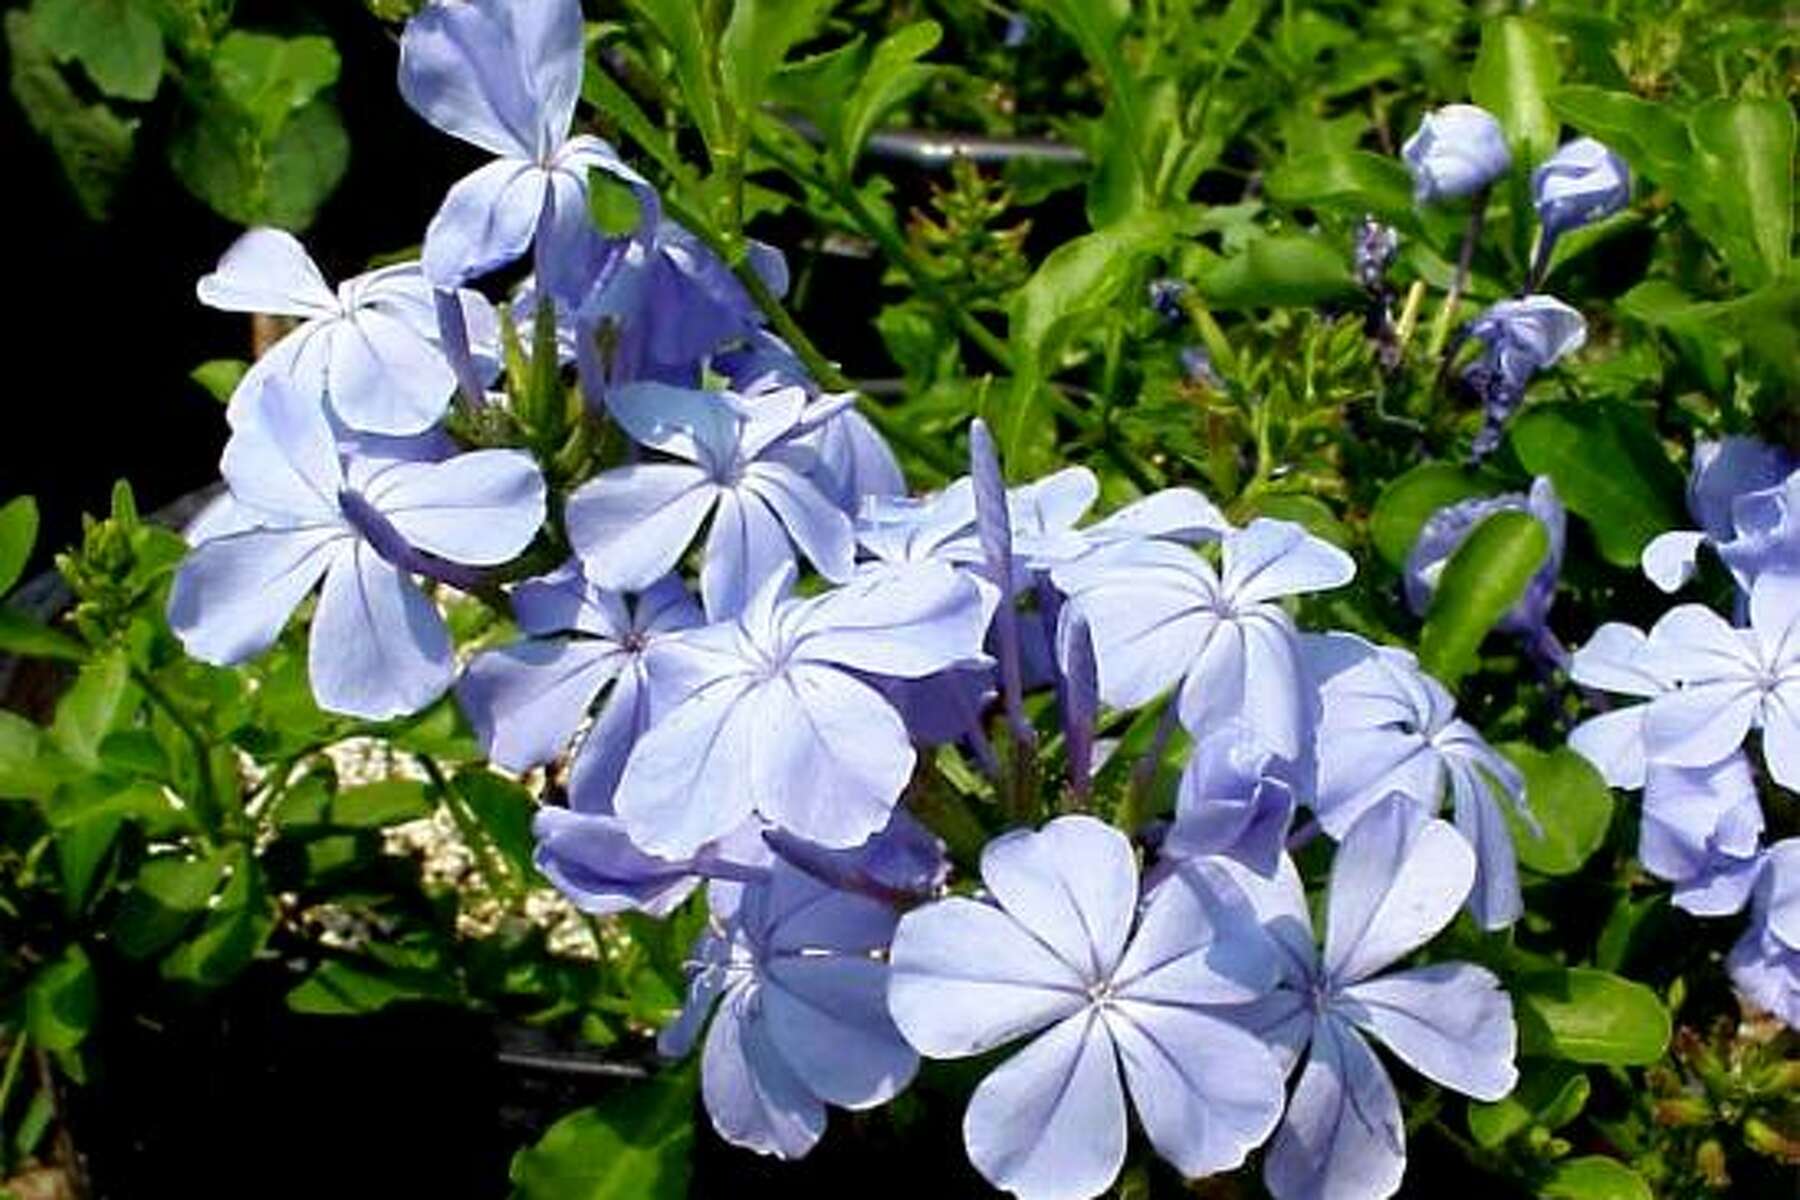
(234, 594)
(909, 623)
(829, 756)
(526, 700)
(1073, 884)
(1269, 559)
(488, 219)
(460, 69)
(379, 648)
(684, 784)
(268, 271)
(594, 863)
(1398, 878)
(745, 549)
(1049, 1123)
(753, 1096)
(481, 508)
(1451, 1022)
(1343, 1136)
(818, 527)
(282, 459)
(632, 524)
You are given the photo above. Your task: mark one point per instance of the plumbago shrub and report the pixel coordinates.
(1300, 678)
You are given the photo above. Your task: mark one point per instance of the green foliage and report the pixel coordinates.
(633, 1145)
(1482, 581)
(1589, 1016)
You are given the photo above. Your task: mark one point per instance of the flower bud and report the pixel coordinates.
(1376, 247)
(1457, 151)
(1522, 337)
(1582, 182)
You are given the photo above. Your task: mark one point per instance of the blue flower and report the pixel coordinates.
(1616, 660)
(506, 77)
(1447, 528)
(526, 700)
(1765, 963)
(1161, 616)
(1579, 184)
(1397, 880)
(631, 525)
(1388, 727)
(793, 968)
(775, 721)
(590, 858)
(1730, 680)
(365, 525)
(1056, 951)
(1519, 338)
(1457, 151)
(370, 348)
(1236, 799)
(1745, 497)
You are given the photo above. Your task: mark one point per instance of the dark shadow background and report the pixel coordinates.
(103, 323)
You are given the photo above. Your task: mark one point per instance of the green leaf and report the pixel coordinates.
(235, 930)
(1647, 135)
(30, 767)
(1746, 157)
(1550, 1093)
(89, 709)
(1593, 1177)
(1351, 182)
(62, 1001)
(1609, 467)
(634, 1145)
(680, 25)
(220, 156)
(1285, 270)
(613, 204)
(270, 78)
(92, 143)
(756, 40)
(1482, 581)
(1589, 1016)
(893, 74)
(617, 105)
(339, 988)
(18, 534)
(220, 377)
(504, 810)
(1514, 74)
(116, 41)
(1408, 501)
(374, 805)
(167, 896)
(1571, 802)
(1075, 282)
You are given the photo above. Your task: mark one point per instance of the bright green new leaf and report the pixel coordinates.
(681, 26)
(1609, 468)
(62, 1001)
(633, 1145)
(90, 708)
(1408, 501)
(272, 78)
(374, 805)
(1593, 1177)
(1482, 581)
(219, 157)
(117, 42)
(756, 40)
(1589, 1016)
(18, 534)
(1571, 802)
(220, 377)
(893, 74)
(1282, 271)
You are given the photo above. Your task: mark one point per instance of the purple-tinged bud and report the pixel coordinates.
(1458, 150)
(1377, 245)
(1018, 31)
(1521, 337)
(1197, 365)
(1581, 183)
(1165, 298)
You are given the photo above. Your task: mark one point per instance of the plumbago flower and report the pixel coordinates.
(526, 700)
(1519, 339)
(631, 525)
(1765, 963)
(1745, 497)
(1579, 184)
(793, 967)
(1056, 950)
(370, 348)
(1458, 150)
(1236, 800)
(1702, 826)
(774, 720)
(1397, 880)
(1730, 681)
(506, 77)
(1161, 615)
(365, 525)
(1389, 727)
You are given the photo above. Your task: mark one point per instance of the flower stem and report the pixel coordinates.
(1446, 317)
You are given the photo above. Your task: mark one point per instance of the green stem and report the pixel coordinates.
(500, 880)
(210, 813)
(1440, 331)
(15, 1058)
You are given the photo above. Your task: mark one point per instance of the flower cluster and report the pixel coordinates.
(1706, 684)
(1460, 152)
(740, 637)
